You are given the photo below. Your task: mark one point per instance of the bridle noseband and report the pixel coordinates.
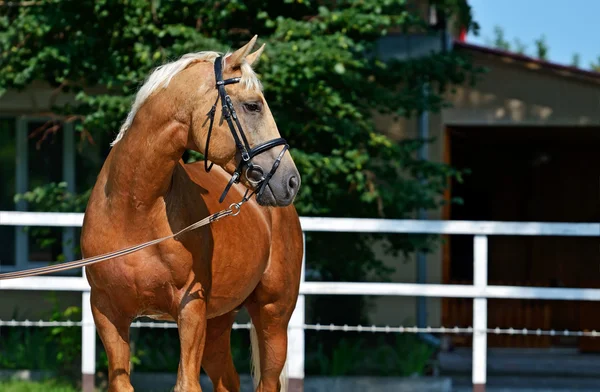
(246, 152)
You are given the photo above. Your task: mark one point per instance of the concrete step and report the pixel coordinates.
(512, 362)
(530, 384)
(163, 382)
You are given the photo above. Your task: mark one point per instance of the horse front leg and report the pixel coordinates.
(272, 303)
(191, 322)
(270, 320)
(113, 327)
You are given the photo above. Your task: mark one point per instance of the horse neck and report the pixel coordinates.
(142, 165)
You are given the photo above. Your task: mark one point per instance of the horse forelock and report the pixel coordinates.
(162, 76)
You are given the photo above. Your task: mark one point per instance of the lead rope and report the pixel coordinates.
(233, 210)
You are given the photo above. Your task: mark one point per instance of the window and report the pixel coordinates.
(45, 165)
(7, 190)
(25, 163)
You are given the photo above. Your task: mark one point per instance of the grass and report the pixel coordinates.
(28, 386)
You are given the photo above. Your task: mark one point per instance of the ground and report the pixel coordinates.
(26, 386)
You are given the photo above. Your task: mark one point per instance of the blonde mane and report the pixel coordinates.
(162, 75)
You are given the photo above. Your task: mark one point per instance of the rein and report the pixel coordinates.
(233, 210)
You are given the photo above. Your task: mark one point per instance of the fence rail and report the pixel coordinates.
(357, 225)
(480, 291)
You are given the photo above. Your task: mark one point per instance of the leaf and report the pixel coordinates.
(339, 68)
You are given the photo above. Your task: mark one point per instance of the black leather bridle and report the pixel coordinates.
(241, 142)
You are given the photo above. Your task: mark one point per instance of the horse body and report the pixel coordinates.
(201, 278)
(236, 263)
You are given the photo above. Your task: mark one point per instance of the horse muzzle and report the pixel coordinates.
(281, 190)
(277, 186)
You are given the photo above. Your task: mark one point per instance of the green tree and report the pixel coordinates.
(322, 81)
(595, 66)
(576, 60)
(499, 41)
(541, 48)
(520, 47)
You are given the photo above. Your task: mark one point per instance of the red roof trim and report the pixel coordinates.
(527, 59)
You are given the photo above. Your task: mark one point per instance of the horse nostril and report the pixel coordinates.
(293, 182)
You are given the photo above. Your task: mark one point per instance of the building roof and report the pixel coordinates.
(531, 63)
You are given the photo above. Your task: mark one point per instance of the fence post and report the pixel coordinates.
(480, 280)
(88, 344)
(296, 337)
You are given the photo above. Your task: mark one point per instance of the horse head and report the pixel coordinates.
(218, 104)
(239, 132)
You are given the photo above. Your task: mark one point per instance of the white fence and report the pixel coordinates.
(480, 291)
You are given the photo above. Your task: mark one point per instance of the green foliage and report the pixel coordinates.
(576, 60)
(56, 349)
(541, 48)
(500, 41)
(26, 348)
(42, 386)
(520, 47)
(56, 198)
(322, 78)
(402, 356)
(240, 351)
(66, 340)
(157, 350)
(595, 66)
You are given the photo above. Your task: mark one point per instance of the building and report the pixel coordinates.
(529, 131)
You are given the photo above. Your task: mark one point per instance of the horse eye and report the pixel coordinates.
(252, 107)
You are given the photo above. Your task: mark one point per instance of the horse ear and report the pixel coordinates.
(253, 57)
(236, 59)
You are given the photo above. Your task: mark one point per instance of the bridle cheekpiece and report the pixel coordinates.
(246, 152)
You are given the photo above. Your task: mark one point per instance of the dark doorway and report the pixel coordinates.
(529, 174)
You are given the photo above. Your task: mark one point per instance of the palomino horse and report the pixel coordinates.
(202, 278)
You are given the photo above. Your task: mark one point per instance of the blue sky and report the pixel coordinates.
(571, 26)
